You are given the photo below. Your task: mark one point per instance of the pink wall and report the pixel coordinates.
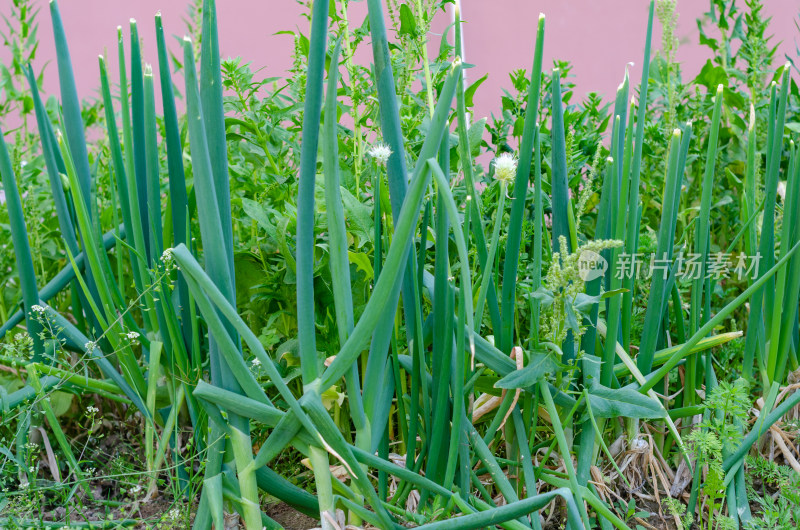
(598, 37)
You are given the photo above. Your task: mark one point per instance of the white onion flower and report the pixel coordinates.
(380, 152)
(505, 167)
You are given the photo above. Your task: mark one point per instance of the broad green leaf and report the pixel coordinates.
(363, 263)
(544, 295)
(583, 302)
(331, 396)
(711, 76)
(469, 95)
(573, 321)
(408, 26)
(249, 273)
(625, 402)
(475, 135)
(61, 402)
(358, 217)
(260, 214)
(541, 363)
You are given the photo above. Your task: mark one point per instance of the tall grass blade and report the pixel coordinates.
(337, 233)
(73, 120)
(217, 264)
(138, 141)
(306, 330)
(559, 189)
(177, 178)
(376, 366)
(397, 178)
(520, 193)
(22, 251)
(126, 189)
(632, 223)
(654, 312)
(152, 167)
(721, 315)
(214, 120)
(54, 165)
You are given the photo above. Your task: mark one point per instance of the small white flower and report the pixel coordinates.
(505, 167)
(380, 152)
(91, 409)
(167, 256)
(136, 489)
(132, 335)
(89, 346)
(36, 308)
(174, 514)
(781, 193)
(256, 362)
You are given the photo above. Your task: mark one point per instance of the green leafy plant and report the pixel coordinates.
(278, 284)
(778, 510)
